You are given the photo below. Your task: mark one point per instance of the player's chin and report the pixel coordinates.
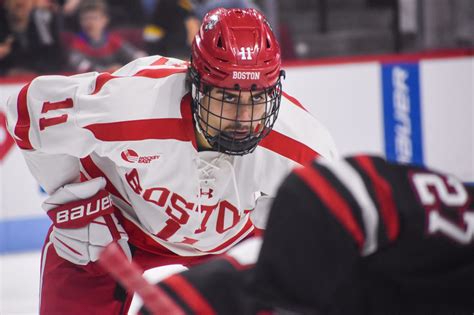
(237, 135)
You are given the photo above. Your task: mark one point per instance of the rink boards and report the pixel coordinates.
(417, 109)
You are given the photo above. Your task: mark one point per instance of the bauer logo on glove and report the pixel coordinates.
(79, 213)
(84, 222)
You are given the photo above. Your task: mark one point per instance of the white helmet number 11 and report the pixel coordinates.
(245, 53)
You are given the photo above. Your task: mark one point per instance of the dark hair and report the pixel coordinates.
(93, 5)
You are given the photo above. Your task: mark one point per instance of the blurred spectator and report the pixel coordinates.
(408, 24)
(168, 26)
(29, 38)
(132, 13)
(448, 23)
(204, 6)
(95, 49)
(70, 6)
(408, 16)
(171, 29)
(464, 23)
(69, 14)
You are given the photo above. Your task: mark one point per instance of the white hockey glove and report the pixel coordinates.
(259, 215)
(84, 223)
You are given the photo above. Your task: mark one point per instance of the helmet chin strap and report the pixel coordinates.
(194, 93)
(201, 138)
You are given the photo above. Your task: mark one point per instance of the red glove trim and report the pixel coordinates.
(79, 213)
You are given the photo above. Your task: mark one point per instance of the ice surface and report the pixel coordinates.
(19, 283)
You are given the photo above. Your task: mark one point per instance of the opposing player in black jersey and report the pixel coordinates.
(353, 236)
(364, 236)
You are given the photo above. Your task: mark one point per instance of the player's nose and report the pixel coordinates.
(245, 112)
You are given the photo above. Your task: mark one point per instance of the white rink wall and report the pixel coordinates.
(415, 110)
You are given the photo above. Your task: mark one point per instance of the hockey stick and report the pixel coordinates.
(130, 276)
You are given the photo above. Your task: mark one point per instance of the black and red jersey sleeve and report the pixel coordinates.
(307, 256)
(211, 288)
(363, 236)
(219, 286)
(365, 189)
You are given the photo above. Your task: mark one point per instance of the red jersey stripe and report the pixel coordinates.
(101, 80)
(147, 73)
(159, 73)
(22, 128)
(160, 61)
(384, 196)
(288, 147)
(94, 171)
(333, 202)
(189, 295)
(181, 129)
(293, 100)
(133, 130)
(247, 227)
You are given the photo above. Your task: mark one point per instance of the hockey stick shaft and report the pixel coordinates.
(130, 276)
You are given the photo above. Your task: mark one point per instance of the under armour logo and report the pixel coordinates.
(208, 194)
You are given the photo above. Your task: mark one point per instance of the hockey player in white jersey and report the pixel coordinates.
(174, 161)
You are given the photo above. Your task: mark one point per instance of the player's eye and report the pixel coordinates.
(229, 98)
(258, 98)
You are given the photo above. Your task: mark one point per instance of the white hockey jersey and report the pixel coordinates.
(135, 128)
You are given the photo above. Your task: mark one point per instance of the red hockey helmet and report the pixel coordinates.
(236, 52)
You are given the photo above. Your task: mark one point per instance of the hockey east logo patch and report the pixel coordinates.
(132, 157)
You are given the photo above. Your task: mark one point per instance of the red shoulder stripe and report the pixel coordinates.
(147, 73)
(189, 294)
(333, 201)
(288, 147)
(101, 80)
(384, 195)
(159, 73)
(134, 130)
(293, 100)
(22, 128)
(160, 61)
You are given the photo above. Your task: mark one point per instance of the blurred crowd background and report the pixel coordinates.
(73, 36)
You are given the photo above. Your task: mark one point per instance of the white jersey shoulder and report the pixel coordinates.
(51, 115)
(299, 124)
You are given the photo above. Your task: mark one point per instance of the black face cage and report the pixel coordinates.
(227, 141)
